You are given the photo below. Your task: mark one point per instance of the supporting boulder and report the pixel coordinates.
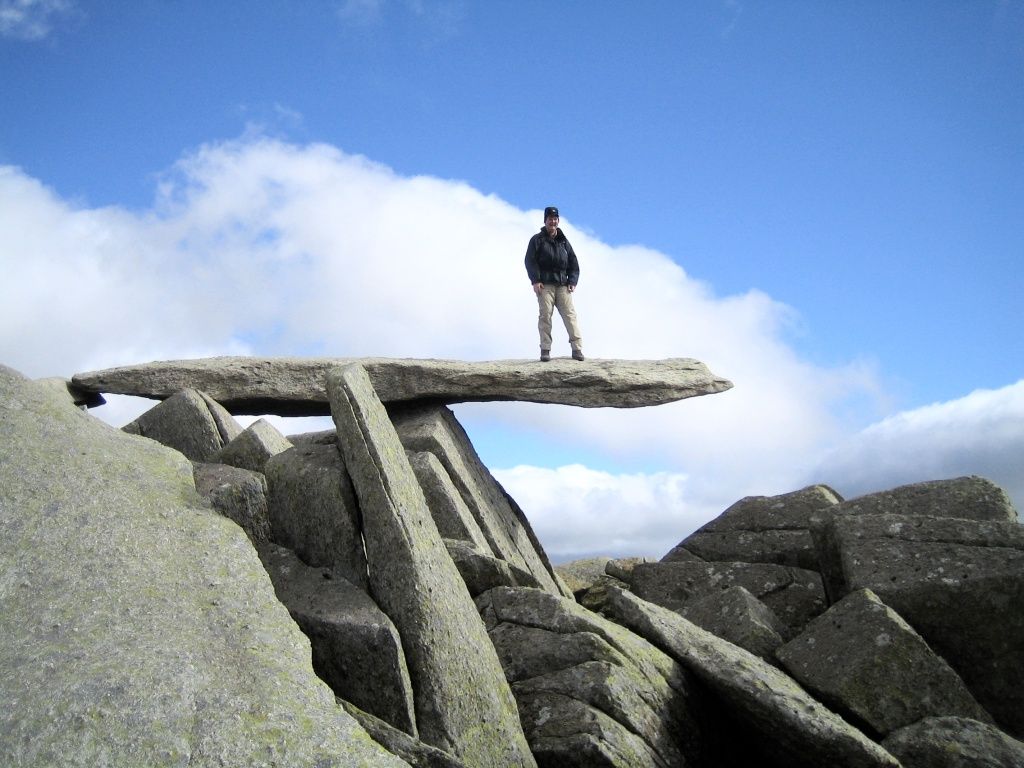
(189, 421)
(463, 702)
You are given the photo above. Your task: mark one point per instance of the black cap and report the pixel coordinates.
(550, 211)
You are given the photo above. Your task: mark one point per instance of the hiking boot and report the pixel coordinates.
(545, 355)
(577, 354)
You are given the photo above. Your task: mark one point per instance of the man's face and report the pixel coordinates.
(551, 224)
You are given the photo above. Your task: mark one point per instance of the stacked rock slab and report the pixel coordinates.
(959, 583)
(793, 728)
(868, 664)
(356, 648)
(494, 520)
(463, 703)
(191, 422)
(763, 529)
(139, 626)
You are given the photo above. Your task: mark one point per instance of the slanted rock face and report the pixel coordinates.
(736, 615)
(795, 595)
(238, 494)
(954, 742)
(864, 661)
(959, 583)
(356, 648)
(313, 509)
(289, 386)
(139, 626)
(189, 422)
(463, 702)
(589, 692)
(251, 449)
(793, 728)
(503, 526)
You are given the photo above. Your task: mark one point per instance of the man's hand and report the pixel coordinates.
(571, 288)
(538, 287)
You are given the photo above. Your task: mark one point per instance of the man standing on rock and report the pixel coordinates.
(553, 270)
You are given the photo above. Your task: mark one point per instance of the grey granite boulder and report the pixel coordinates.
(866, 663)
(453, 518)
(238, 494)
(356, 648)
(463, 703)
(140, 628)
(954, 742)
(793, 729)
(504, 527)
(295, 386)
(763, 529)
(571, 669)
(313, 509)
(736, 615)
(253, 446)
(482, 572)
(795, 595)
(969, 498)
(581, 575)
(959, 583)
(188, 421)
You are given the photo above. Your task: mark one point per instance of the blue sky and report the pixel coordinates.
(824, 201)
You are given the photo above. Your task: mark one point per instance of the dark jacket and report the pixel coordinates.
(551, 260)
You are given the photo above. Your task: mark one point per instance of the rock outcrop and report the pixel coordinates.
(143, 626)
(295, 386)
(139, 626)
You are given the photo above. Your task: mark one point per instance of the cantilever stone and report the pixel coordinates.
(295, 386)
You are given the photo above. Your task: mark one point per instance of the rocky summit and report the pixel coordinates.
(185, 592)
(295, 386)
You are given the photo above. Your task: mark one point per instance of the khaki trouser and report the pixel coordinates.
(552, 296)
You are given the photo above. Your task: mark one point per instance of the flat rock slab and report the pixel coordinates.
(296, 386)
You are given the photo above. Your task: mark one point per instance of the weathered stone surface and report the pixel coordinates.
(954, 742)
(482, 572)
(621, 568)
(188, 421)
(413, 751)
(463, 703)
(139, 626)
(570, 668)
(969, 498)
(794, 729)
(451, 515)
(238, 494)
(736, 615)
(313, 509)
(581, 575)
(253, 446)
(79, 398)
(763, 529)
(506, 530)
(295, 386)
(795, 595)
(356, 648)
(866, 663)
(959, 583)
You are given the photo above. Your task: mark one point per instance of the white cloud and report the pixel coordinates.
(262, 247)
(981, 433)
(579, 512)
(30, 19)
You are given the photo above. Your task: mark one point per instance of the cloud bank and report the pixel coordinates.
(259, 246)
